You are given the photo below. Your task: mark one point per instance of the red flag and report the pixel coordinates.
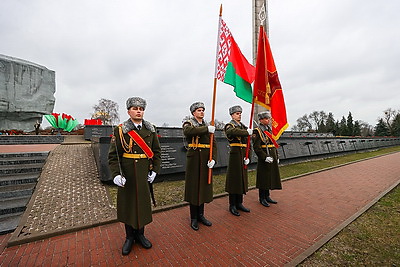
(267, 88)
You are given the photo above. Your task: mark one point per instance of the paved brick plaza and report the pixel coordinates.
(311, 209)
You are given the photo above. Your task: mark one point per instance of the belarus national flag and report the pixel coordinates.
(232, 66)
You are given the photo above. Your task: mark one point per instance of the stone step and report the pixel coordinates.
(19, 169)
(15, 179)
(13, 205)
(21, 160)
(11, 191)
(23, 154)
(9, 222)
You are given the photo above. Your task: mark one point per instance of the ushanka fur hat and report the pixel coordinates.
(135, 102)
(235, 109)
(264, 114)
(196, 105)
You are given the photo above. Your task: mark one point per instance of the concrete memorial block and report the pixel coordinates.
(26, 93)
(91, 131)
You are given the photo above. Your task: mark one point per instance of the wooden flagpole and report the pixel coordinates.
(214, 100)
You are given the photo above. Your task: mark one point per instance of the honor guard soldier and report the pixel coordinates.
(134, 160)
(236, 178)
(197, 189)
(268, 177)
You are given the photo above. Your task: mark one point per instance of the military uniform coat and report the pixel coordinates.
(133, 200)
(197, 189)
(268, 176)
(236, 176)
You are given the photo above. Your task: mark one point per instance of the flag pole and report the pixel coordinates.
(214, 100)
(262, 16)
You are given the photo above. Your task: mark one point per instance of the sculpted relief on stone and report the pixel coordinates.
(26, 93)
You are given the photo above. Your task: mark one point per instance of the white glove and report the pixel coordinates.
(246, 161)
(151, 176)
(210, 164)
(250, 131)
(277, 161)
(269, 159)
(211, 129)
(119, 180)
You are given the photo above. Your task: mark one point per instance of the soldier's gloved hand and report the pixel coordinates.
(211, 129)
(119, 180)
(250, 131)
(210, 164)
(269, 159)
(277, 160)
(151, 176)
(246, 161)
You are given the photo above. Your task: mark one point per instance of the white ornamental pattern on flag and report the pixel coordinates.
(224, 50)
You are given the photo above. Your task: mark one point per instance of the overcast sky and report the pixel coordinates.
(331, 55)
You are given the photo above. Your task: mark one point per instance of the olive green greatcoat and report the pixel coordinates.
(236, 176)
(133, 200)
(268, 176)
(197, 189)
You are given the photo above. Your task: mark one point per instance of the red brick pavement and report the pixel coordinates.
(311, 209)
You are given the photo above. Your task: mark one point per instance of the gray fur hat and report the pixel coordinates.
(135, 102)
(264, 114)
(235, 109)
(196, 105)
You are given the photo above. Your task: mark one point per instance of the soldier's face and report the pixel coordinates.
(265, 121)
(136, 113)
(237, 116)
(199, 113)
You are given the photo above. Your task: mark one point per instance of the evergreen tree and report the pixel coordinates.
(330, 124)
(396, 125)
(381, 129)
(350, 125)
(357, 129)
(343, 127)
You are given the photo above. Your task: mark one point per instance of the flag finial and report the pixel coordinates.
(220, 11)
(262, 15)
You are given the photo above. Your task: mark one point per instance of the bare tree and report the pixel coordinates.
(303, 124)
(106, 111)
(388, 118)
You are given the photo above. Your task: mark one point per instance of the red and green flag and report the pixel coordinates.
(63, 121)
(232, 67)
(267, 87)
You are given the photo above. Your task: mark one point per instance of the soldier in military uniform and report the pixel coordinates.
(197, 189)
(236, 178)
(268, 177)
(134, 160)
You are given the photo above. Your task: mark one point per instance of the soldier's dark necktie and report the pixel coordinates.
(138, 127)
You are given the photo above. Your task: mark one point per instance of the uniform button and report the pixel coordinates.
(136, 160)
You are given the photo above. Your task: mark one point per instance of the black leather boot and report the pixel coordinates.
(201, 217)
(261, 194)
(127, 247)
(270, 200)
(193, 217)
(142, 239)
(239, 203)
(232, 205)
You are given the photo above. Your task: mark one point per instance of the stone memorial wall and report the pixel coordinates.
(26, 93)
(294, 147)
